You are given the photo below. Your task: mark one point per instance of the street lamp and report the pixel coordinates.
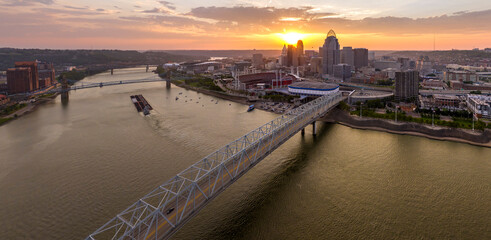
(361, 104)
(472, 122)
(433, 118)
(396, 113)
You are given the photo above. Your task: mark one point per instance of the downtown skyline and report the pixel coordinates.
(167, 25)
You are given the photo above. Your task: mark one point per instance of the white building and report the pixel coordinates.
(479, 105)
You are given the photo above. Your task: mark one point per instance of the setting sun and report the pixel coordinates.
(291, 37)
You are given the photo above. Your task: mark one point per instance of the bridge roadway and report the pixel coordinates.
(90, 85)
(112, 83)
(163, 211)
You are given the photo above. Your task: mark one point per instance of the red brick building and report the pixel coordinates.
(30, 76)
(34, 72)
(19, 80)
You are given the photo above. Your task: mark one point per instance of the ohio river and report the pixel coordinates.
(68, 168)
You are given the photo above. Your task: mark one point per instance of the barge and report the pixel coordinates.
(141, 104)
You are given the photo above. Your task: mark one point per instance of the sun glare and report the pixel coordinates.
(291, 37)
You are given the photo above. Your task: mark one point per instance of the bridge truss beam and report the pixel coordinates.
(165, 209)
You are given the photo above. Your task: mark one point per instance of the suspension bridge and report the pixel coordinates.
(160, 213)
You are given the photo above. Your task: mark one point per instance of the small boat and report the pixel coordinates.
(250, 108)
(177, 98)
(180, 93)
(146, 110)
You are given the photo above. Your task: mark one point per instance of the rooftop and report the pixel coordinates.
(316, 85)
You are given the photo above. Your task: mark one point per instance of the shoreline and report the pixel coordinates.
(225, 96)
(413, 129)
(31, 107)
(481, 139)
(335, 116)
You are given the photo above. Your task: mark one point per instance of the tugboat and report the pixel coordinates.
(250, 108)
(146, 110)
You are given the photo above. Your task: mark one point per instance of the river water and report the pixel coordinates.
(68, 168)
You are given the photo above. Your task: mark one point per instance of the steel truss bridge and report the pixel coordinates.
(167, 208)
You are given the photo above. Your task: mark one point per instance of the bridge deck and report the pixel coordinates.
(90, 85)
(164, 210)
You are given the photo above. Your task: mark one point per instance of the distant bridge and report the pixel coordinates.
(111, 83)
(163, 211)
(92, 85)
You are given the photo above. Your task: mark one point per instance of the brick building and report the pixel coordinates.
(19, 80)
(30, 76)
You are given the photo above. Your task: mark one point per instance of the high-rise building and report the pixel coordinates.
(300, 54)
(34, 72)
(46, 73)
(311, 53)
(300, 47)
(405, 63)
(283, 61)
(316, 65)
(407, 85)
(292, 56)
(342, 71)
(19, 80)
(347, 56)
(330, 53)
(257, 60)
(289, 55)
(40, 75)
(360, 57)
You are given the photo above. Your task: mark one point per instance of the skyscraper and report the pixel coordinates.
(291, 51)
(300, 54)
(361, 57)
(283, 58)
(34, 72)
(347, 56)
(300, 47)
(19, 80)
(330, 53)
(257, 60)
(407, 85)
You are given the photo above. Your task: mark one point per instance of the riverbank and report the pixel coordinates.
(478, 138)
(222, 95)
(263, 105)
(31, 107)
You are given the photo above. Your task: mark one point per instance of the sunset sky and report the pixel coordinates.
(243, 24)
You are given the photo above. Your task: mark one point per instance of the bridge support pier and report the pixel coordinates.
(167, 84)
(64, 97)
(303, 131)
(314, 129)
